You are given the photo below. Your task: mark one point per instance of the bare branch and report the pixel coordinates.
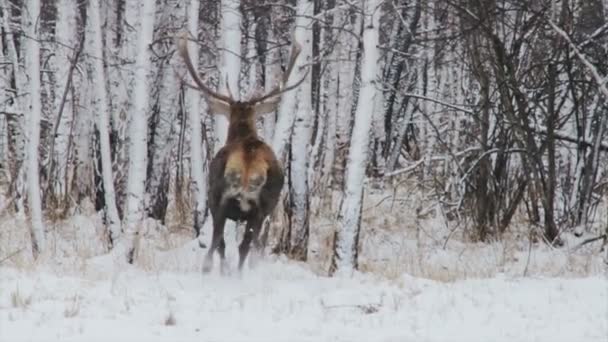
(590, 67)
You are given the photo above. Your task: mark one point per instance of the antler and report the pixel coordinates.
(182, 47)
(296, 48)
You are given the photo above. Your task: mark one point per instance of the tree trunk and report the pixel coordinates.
(197, 152)
(34, 114)
(138, 132)
(231, 62)
(300, 153)
(16, 134)
(102, 109)
(65, 33)
(344, 258)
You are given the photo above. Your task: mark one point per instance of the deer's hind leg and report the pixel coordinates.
(217, 242)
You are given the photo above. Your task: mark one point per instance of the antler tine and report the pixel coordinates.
(182, 46)
(296, 48)
(230, 94)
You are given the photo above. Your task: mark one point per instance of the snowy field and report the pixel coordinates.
(421, 283)
(283, 301)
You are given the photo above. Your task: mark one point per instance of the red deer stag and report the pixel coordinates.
(245, 177)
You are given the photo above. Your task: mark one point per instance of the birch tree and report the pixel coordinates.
(138, 130)
(33, 123)
(230, 61)
(15, 121)
(102, 114)
(344, 260)
(66, 37)
(300, 153)
(199, 183)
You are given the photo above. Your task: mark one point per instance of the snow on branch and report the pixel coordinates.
(565, 137)
(449, 105)
(590, 67)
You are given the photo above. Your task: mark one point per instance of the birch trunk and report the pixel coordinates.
(269, 82)
(287, 107)
(102, 109)
(231, 61)
(34, 114)
(300, 153)
(344, 259)
(66, 35)
(138, 129)
(345, 76)
(15, 122)
(199, 184)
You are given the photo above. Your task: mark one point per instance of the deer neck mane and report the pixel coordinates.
(241, 128)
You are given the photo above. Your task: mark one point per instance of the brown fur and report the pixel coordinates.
(244, 158)
(245, 177)
(248, 162)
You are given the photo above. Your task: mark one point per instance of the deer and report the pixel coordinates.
(245, 177)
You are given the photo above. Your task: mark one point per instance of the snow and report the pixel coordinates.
(416, 286)
(279, 300)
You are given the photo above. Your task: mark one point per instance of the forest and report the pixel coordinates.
(492, 111)
(444, 161)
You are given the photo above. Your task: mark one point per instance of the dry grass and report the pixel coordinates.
(170, 319)
(73, 307)
(18, 300)
(401, 234)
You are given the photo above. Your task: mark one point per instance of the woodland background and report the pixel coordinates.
(494, 111)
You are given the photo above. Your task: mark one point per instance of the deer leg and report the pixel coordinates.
(251, 233)
(217, 241)
(257, 244)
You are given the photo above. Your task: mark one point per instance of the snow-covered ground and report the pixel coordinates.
(421, 283)
(283, 301)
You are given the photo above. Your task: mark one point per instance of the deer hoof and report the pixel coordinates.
(224, 268)
(207, 265)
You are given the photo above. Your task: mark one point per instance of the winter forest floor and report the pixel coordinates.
(420, 281)
(282, 301)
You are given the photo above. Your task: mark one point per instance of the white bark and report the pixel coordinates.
(271, 69)
(345, 76)
(345, 253)
(102, 109)
(193, 101)
(33, 124)
(138, 127)
(231, 61)
(284, 124)
(66, 35)
(19, 103)
(300, 152)
(330, 92)
(252, 77)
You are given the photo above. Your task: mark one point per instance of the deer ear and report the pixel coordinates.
(218, 107)
(266, 107)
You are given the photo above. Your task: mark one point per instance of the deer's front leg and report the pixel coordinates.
(252, 232)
